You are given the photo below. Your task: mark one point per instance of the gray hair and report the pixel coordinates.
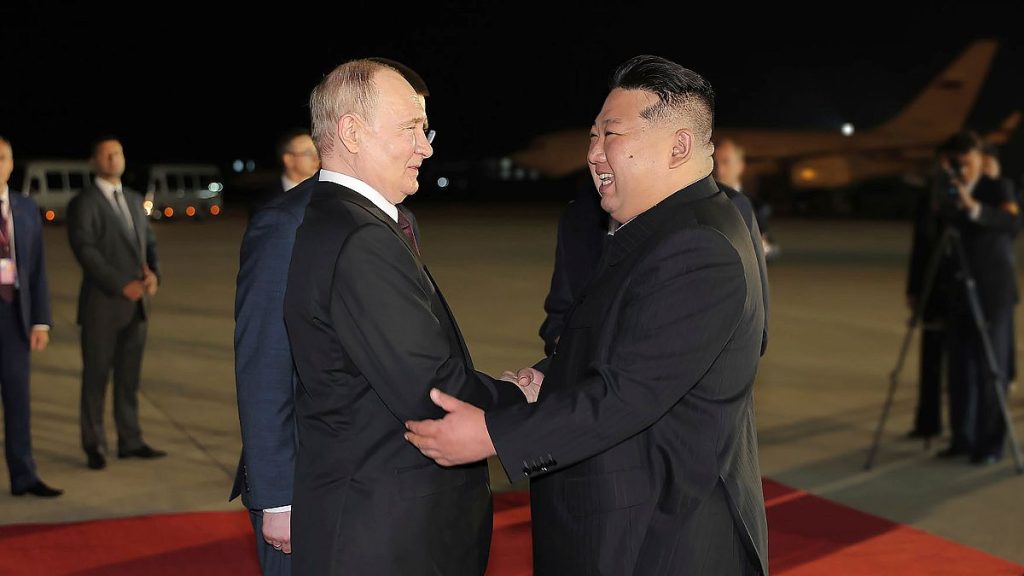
(348, 89)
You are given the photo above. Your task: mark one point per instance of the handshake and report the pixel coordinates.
(461, 436)
(528, 380)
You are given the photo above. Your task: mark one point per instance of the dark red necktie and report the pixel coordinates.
(406, 226)
(6, 290)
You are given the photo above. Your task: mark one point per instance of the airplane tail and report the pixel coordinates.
(942, 107)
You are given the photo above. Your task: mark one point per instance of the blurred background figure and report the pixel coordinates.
(581, 233)
(299, 161)
(929, 224)
(24, 324)
(986, 214)
(730, 162)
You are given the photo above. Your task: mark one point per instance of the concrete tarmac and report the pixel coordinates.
(838, 318)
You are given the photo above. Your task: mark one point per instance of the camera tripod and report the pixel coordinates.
(950, 240)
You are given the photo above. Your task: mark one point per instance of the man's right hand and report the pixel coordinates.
(134, 290)
(528, 380)
(277, 530)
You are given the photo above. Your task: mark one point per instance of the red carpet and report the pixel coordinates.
(808, 536)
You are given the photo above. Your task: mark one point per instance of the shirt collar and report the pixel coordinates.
(363, 189)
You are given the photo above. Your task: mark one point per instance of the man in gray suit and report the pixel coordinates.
(115, 246)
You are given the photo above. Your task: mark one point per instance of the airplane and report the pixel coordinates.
(823, 160)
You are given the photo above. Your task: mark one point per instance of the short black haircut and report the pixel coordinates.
(410, 75)
(678, 89)
(962, 143)
(285, 141)
(100, 140)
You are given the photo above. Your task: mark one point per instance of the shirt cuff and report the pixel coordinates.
(279, 509)
(975, 212)
(42, 327)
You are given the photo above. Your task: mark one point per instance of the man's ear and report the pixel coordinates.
(350, 132)
(682, 147)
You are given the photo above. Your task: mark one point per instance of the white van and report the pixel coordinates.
(53, 183)
(184, 191)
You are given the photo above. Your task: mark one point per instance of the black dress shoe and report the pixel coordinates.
(38, 489)
(985, 459)
(952, 452)
(144, 451)
(96, 460)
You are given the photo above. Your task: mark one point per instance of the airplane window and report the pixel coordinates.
(76, 180)
(173, 182)
(33, 185)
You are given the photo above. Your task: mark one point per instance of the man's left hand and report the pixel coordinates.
(39, 339)
(458, 438)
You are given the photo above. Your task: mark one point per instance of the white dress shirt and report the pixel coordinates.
(363, 189)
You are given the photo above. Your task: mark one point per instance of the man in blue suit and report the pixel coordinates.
(24, 324)
(264, 373)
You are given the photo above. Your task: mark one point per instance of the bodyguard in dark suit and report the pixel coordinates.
(928, 228)
(24, 324)
(988, 220)
(642, 449)
(115, 246)
(371, 334)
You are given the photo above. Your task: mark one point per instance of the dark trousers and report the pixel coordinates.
(14, 374)
(976, 419)
(272, 562)
(108, 347)
(929, 401)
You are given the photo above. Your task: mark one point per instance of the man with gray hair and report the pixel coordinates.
(371, 335)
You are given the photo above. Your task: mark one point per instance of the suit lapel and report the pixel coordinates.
(115, 219)
(353, 197)
(22, 220)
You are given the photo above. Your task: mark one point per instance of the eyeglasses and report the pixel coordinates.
(307, 153)
(430, 136)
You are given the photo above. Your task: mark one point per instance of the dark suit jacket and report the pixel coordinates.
(988, 243)
(581, 232)
(371, 335)
(33, 296)
(646, 409)
(264, 373)
(110, 255)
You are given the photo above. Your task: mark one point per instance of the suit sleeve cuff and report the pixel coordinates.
(975, 212)
(43, 327)
(279, 509)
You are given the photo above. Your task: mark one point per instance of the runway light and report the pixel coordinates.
(442, 182)
(808, 174)
(847, 129)
(168, 212)
(190, 211)
(250, 166)
(214, 210)
(50, 215)
(238, 165)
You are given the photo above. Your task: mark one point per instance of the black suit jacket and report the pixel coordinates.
(581, 232)
(646, 409)
(371, 335)
(988, 242)
(110, 255)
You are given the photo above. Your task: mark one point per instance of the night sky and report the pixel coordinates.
(187, 84)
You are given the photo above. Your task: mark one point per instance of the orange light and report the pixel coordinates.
(190, 211)
(50, 215)
(168, 212)
(214, 210)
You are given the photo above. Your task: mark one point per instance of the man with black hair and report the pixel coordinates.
(987, 217)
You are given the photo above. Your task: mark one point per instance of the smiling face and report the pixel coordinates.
(394, 145)
(628, 154)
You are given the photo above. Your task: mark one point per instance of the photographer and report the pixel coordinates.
(985, 213)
